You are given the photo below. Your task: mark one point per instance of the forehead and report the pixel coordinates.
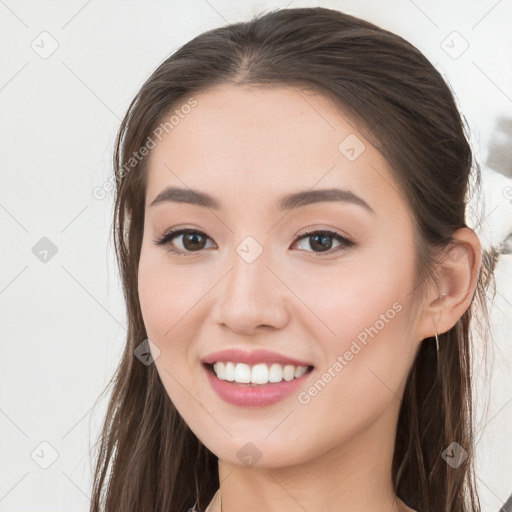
(253, 143)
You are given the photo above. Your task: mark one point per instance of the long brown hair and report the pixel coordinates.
(148, 458)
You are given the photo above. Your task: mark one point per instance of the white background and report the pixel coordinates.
(63, 321)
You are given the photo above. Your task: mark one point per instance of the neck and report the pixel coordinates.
(353, 477)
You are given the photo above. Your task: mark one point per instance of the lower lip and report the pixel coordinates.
(245, 395)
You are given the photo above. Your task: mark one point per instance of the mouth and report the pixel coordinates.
(256, 375)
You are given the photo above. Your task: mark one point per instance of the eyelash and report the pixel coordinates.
(172, 233)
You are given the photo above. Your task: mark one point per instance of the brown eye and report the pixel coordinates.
(320, 241)
(191, 241)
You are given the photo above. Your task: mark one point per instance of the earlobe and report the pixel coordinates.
(457, 272)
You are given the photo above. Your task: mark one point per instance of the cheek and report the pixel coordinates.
(346, 298)
(166, 303)
(167, 293)
(153, 296)
(366, 343)
(361, 314)
(171, 304)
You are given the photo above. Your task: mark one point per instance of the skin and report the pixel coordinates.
(247, 147)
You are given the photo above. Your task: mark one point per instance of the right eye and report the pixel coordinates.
(192, 241)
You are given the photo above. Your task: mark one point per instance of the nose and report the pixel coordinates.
(251, 297)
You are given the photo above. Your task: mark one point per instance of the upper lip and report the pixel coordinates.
(252, 357)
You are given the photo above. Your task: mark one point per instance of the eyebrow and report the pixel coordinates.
(288, 202)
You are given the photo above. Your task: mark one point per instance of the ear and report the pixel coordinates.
(457, 272)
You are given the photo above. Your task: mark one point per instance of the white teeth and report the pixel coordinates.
(243, 373)
(275, 374)
(230, 372)
(257, 374)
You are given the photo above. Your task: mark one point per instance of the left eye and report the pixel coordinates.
(320, 239)
(194, 241)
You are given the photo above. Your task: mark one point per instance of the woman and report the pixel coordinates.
(299, 278)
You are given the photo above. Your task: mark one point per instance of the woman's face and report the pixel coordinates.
(246, 277)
